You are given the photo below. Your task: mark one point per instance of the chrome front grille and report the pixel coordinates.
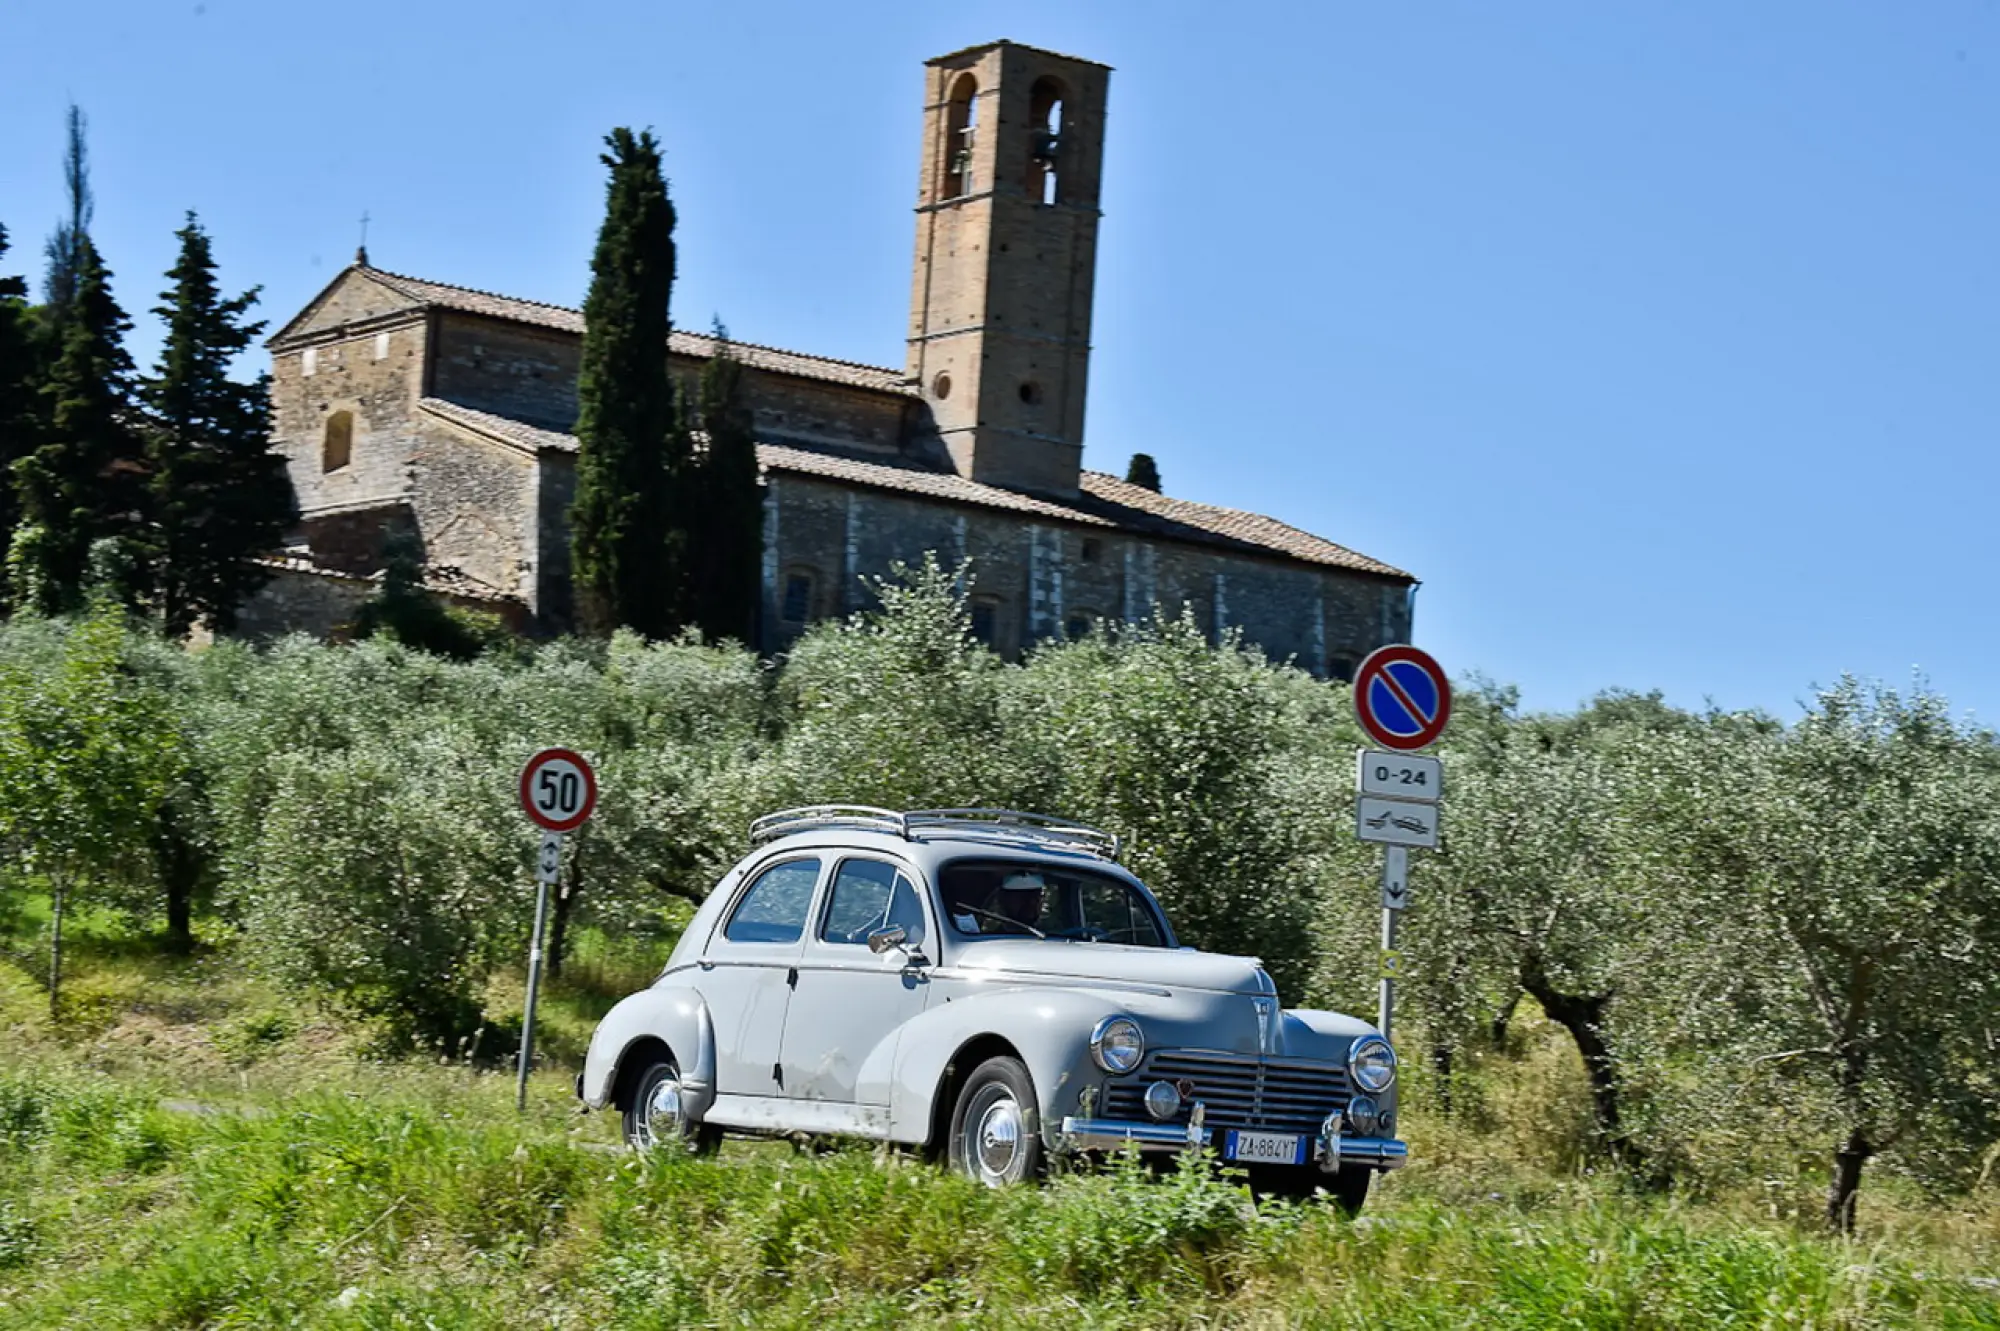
(1240, 1090)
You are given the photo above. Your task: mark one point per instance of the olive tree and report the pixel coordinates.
(389, 876)
(900, 707)
(88, 753)
(1182, 749)
(1857, 860)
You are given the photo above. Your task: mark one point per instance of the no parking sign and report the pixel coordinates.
(1403, 701)
(1402, 697)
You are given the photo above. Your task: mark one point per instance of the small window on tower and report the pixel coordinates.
(337, 449)
(1093, 549)
(309, 361)
(1044, 181)
(1341, 668)
(381, 346)
(797, 607)
(961, 128)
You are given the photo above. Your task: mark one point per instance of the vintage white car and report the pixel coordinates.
(995, 988)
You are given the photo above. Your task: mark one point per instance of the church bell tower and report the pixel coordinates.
(1007, 215)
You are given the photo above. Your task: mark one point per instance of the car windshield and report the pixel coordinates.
(985, 898)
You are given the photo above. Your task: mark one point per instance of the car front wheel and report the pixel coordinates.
(656, 1116)
(994, 1134)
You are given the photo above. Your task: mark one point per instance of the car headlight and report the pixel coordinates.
(1117, 1044)
(1363, 1115)
(1372, 1064)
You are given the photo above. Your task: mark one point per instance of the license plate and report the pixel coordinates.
(1270, 1148)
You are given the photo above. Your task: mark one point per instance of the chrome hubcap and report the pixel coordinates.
(996, 1143)
(666, 1119)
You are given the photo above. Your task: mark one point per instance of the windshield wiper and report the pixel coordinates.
(985, 914)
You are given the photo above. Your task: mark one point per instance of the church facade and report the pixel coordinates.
(408, 405)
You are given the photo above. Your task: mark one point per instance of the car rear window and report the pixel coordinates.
(774, 909)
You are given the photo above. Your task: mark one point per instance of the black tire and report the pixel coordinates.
(995, 1129)
(1346, 1188)
(651, 1125)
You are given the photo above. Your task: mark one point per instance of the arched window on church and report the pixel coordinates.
(337, 449)
(961, 126)
(1045, 141)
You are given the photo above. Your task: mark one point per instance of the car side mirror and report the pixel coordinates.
(881, 940)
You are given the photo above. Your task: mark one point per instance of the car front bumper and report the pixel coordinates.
(1332, 1148)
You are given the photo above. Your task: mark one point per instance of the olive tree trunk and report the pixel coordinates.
(1846, 1186)
(56, 895)
(1582, 1015)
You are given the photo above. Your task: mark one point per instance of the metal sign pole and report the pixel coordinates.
(549, 863)
(1395, 893)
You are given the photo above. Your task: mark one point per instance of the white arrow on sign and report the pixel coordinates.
(1395, 878)
(1396, 822)
(1398, 776)
(550, 862)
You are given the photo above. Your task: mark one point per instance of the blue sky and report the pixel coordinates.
(1662, 342)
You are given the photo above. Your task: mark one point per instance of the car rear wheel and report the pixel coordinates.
(656, 1116)
(995, 1137)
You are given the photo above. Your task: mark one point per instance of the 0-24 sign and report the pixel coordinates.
(558, 789)
(1399, 776)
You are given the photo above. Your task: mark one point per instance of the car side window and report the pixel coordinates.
(1114, 912)
(869, 895)
(774, 910)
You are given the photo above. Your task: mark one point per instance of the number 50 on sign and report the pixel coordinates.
(558, 789)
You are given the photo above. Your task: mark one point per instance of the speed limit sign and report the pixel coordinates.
(558, 789)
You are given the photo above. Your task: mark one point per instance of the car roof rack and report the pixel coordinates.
(986, 824)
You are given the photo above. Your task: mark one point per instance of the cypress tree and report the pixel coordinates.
(1143, 472)
(17, 386)
(220, 495)
(726, 525)
(629, 546)
(85, 478)
(65, 246)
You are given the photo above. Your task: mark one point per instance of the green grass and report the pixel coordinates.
(187, 1148)
(416, 1197)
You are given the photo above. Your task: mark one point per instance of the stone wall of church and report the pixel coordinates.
(530, 374)
(509, 369)
(373, 381)
(321, 604)
(1030, 580)
(476, 506)
(788, 409)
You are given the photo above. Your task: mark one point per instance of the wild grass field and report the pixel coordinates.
(186, 1149)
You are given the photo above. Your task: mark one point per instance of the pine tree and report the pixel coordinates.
(628, 539)
(220, 495)
(726, 528)
(1142, 471)
(85, 478)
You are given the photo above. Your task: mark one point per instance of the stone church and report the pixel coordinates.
(406, 404)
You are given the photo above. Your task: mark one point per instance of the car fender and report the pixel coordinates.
(672, 1011)
(1049, 1028)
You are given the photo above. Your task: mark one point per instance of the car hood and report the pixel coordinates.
(1111, 963)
